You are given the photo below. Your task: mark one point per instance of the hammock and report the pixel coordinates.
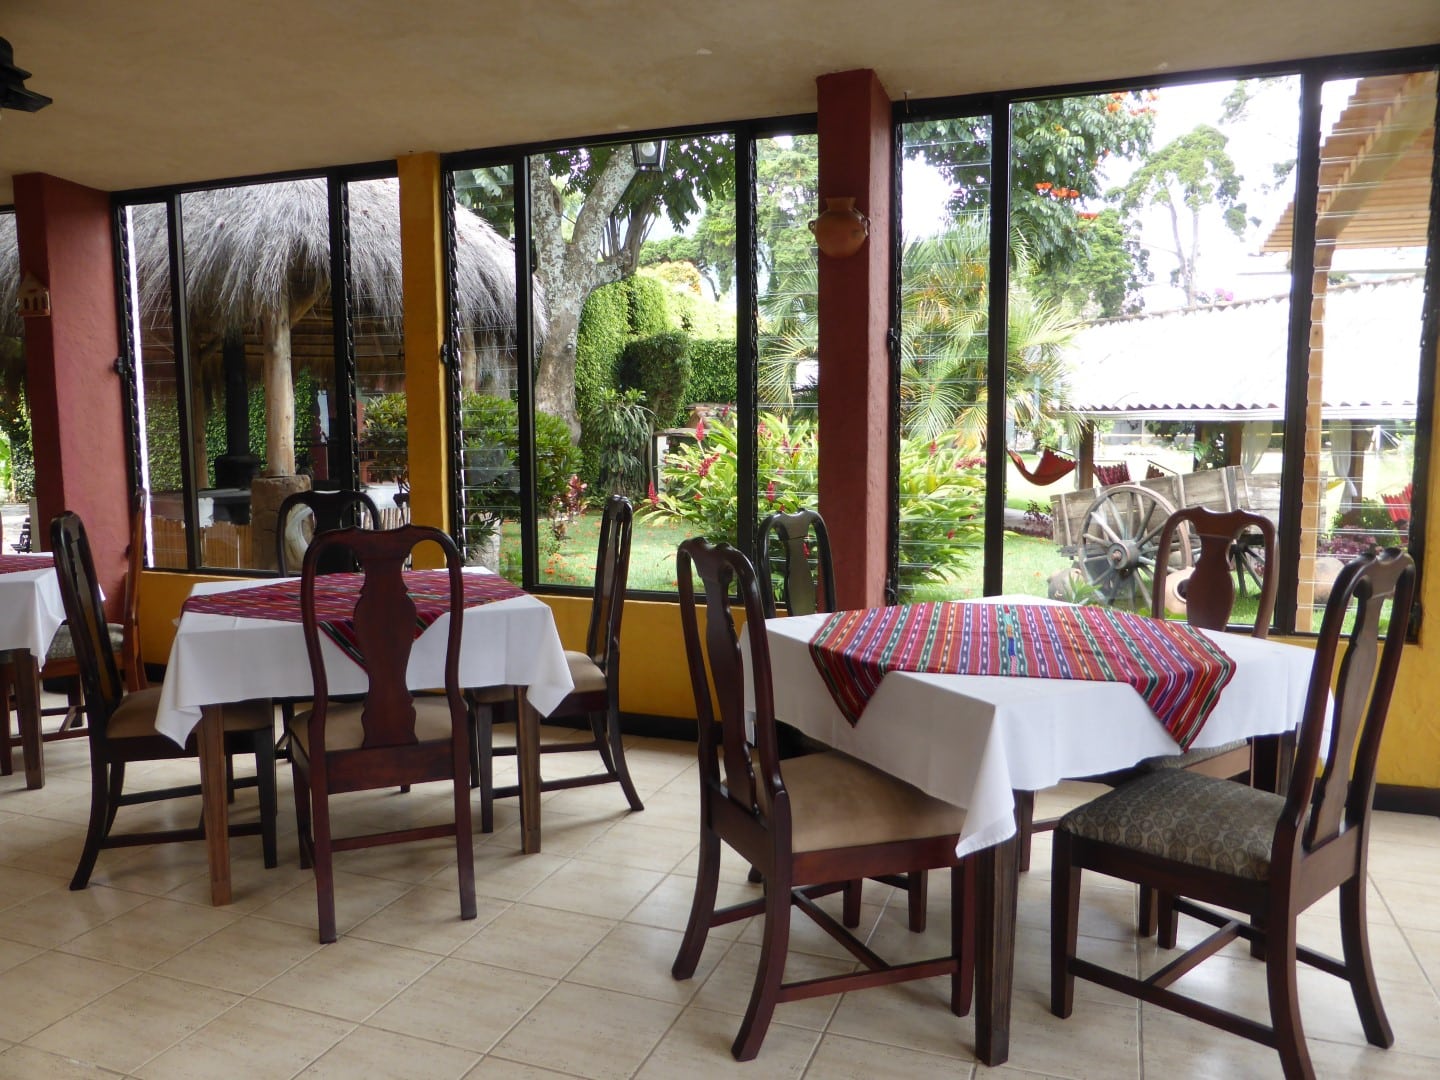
(1051, 467)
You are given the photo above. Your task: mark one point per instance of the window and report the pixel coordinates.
(17, 463)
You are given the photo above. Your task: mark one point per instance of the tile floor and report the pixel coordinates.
(566, 971)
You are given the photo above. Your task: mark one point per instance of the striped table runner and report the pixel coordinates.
(1175, 668)
(14, 564)
(335, 596)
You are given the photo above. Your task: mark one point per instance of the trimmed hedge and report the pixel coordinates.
(659, 367)
(712, 371)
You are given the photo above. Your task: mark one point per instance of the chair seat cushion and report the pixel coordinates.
(836, 801)
(135, 717)
(1194, 819)
(62, 645)
(344, 730)
(585, 672)
(1189, 758)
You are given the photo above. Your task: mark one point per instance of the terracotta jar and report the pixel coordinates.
(841, 229)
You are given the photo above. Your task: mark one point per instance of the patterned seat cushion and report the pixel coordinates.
(62, 645)
(1197, 820)
(1189, 758)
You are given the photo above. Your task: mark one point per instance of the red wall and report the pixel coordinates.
(76, 405)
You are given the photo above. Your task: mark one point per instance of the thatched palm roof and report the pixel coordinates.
(248, 249)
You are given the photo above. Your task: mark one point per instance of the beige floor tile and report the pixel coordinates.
(412, 862)
(561, 833)
(462, 1004)
(349, 979)
(643, 846)
(540, 941)
(669, 905)
(609, 892)
(357, 897)
(150, 933)
(131, 1024)
(597, 1034)
(254, 1040)
(56, 917)
(154, 870)
(43, 846)
(1097, 1042)
(27, 1063)
(243, 956)
(807, 937)
(1337, 1061)
(17, 886)
(494, 1068)
(1177, 1046)
(914, 1015)
(384, 1055)
(49, 987)
(428, 920)
(698, 1047)
(13, 953)
(636, 960)
(252, 886)
(1412, 904)
(839, 1058)
(503, 873)
(729, 987)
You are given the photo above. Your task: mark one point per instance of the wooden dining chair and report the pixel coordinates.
(392, 737)
(330, 510)
(814, 825)
(61, 662)
(122, 725)
(595, 672)
(792, 544)
(1199, 840)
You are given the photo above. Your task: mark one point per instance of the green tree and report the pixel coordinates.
(1194, 172)
(1107, 282)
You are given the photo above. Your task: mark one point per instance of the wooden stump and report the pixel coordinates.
(266, 495)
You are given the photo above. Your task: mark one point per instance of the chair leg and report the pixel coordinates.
(617, 754)
(265, 785)
(1167, 920)
(485, 764)
(302, 812)
(7, 744)
(962, 932)
(1361, 974)
(117, 786)
(850, 903)
(323, 860)
(702, 907)
(768, 976)
(464, 833)
(99, 823)
(1146, 918)
(1064, 925)
(1024, 827)
(917, 888)
(1285, 1000)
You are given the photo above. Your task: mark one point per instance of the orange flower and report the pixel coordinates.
(1044, 185)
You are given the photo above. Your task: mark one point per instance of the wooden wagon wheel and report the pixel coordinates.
(1119, 543)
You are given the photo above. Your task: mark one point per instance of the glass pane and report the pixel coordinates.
(787, 279)
(485, 326)
(377, 325)
(944, 289)
(1373, 218)
(17, 462)
(636, 364)
(1147, 338)
(257, 264)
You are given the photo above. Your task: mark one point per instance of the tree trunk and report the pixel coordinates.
(279, 394)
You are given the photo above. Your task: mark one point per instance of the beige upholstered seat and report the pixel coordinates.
(1192, 818)
(134, 717)
(585, 673)
(343, 730)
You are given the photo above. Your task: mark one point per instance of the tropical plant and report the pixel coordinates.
(659, 367)
(941, 493)
(618, 432)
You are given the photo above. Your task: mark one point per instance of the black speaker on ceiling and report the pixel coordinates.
(13, 94)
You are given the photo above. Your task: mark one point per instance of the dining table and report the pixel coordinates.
(975, 740)
(31, 610)
(224, 650)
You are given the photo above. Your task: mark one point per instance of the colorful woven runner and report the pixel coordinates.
(335, 596)
(1175, 668)
(14, 564)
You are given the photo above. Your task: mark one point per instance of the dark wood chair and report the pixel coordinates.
(1209, 599)
(1267, 856)
(331, 510)
(792, 544)
(122, 726)
(596, 674)
(61, 662)
(814, 825)
(392, 737)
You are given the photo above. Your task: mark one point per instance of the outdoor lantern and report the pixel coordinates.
(649, 155)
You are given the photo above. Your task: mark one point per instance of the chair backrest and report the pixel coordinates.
(80, 591)
(785, 538)
(332, 510)
(1321, 804)
(612, 572)
(130, 612)
(1210, 591)
(384, 629)
(717, 676)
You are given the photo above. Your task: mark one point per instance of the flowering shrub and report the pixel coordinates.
(941, 489)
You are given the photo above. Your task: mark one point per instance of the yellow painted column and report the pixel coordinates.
(423, 282)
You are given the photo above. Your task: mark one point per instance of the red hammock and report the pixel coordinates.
(1051, 467)
(1399, 504)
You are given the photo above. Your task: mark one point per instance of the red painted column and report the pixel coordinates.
(855, 149)
(76, 405)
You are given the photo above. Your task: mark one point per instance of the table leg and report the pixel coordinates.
(27, 706)
(1274, 757)
(210, 741)
(527, 760)
(997, 886)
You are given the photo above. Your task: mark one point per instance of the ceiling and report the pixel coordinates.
(172, 91)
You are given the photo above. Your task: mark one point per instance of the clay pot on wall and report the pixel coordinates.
(841, 229)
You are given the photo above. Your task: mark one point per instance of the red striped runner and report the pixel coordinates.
(1175, 668)
(335, 596)
(14, 564)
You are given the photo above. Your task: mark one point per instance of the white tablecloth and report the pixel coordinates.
(974, 739)
(220, 658)
(31, 609)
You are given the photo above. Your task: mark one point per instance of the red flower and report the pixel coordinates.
(770, 491)
(651, 497)
(934, 449)
(700, 430)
